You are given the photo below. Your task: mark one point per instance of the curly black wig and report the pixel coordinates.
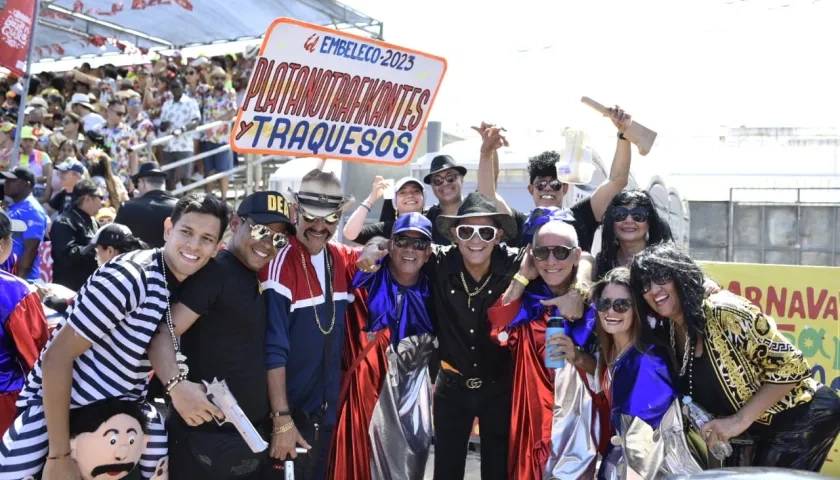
(658, 229)
(668, 259)
(543, 165)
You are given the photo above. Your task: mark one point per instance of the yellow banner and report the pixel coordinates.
(804, 303)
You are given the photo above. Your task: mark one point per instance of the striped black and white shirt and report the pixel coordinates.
(117, 311)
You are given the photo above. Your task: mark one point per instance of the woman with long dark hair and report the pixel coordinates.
(640, 388)
(747, 373)
(631, 223)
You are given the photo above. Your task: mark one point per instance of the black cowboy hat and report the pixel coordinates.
(148, 169)
(477, 205)
(442, 162)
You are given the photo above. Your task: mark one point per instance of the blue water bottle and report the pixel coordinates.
(555, 325)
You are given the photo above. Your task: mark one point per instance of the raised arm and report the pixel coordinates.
(619, 170)
(492, 139)
(356, 221)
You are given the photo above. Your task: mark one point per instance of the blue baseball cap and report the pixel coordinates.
(71, 165)
(413, 222)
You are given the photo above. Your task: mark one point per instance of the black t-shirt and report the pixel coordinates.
(61, 201)
(438, 238)
(378, 229)
(585, 224)
(227, 341)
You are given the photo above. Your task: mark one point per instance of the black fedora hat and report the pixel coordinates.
(477, 205)
(440, 163)
(148, 169)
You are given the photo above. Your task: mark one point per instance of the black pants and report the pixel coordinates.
(803, 438)
(456, 407)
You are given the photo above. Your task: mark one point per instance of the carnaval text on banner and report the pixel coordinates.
(319, 92)
(803, 301)
(15, 32)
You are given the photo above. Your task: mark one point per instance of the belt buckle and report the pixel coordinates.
(473, 383)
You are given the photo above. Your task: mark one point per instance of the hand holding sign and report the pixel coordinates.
(637, 133)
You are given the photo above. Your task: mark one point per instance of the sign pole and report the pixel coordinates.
(22, 106)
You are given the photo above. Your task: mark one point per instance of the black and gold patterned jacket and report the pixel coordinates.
(748, 351)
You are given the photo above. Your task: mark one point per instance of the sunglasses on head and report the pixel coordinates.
(555, 185)
(560, 252)
(403, 241)
(659, 278)
(262, 232)
(441, 179)
(485, 232)
(639, 214)
(330, 219)
(620, 305)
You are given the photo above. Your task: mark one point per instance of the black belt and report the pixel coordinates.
(471, 383)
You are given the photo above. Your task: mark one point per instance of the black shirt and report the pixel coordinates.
(585, 224)
(227, 341)
(72, 232)
(438, 238)
(464, 332)
(145, 215)
(61, 201)
(378, 229)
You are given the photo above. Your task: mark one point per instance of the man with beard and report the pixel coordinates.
(99, 351)
(307, 289)
(221, 319)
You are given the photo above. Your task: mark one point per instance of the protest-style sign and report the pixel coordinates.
(319, 92)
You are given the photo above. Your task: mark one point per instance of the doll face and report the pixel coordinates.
(112, 451)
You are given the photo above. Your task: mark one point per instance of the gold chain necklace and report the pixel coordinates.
(312, 295)
(477, 290)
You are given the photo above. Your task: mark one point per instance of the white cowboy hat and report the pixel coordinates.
(320, 194)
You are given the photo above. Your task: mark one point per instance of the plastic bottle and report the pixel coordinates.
(699, 417)
(555, 325)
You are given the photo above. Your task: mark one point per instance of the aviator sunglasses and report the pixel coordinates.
(620, 305)
(659, 278)
(555, 185)
(485, 232)
(560, 252)
(403, 241)
(262, 232)
(639, 214)
(330, 219)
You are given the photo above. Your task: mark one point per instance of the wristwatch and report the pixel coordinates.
(621, 136)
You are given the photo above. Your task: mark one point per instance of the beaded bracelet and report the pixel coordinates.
(282, 428)
(174, 381)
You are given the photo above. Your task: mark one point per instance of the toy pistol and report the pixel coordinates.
(219, 394)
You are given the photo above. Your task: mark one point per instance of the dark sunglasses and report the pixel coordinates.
(620, 305)
(191, 72)
(466, 232)
(659, 278)
(403, 241)
(639, 214)
(330, 219)
(560, 252)
(262, 232)
(440, 180)
(555, 185)
(119, 113)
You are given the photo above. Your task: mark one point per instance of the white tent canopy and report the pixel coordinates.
(75, 28)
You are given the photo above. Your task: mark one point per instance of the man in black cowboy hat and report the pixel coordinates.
(150, 207)
(221, 317)
(307, 290)
(446, 178)
(475, 378)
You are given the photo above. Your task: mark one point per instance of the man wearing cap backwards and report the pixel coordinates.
(221, 317)
(308, 290)
(71, 171)
(24, 207)
(71, 232)
(146, 212)
(407, 197)
(99, 351)
(383, 429)
(23, 328)
(112, 240)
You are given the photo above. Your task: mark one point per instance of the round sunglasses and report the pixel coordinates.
(261, 232)
(620, 305)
